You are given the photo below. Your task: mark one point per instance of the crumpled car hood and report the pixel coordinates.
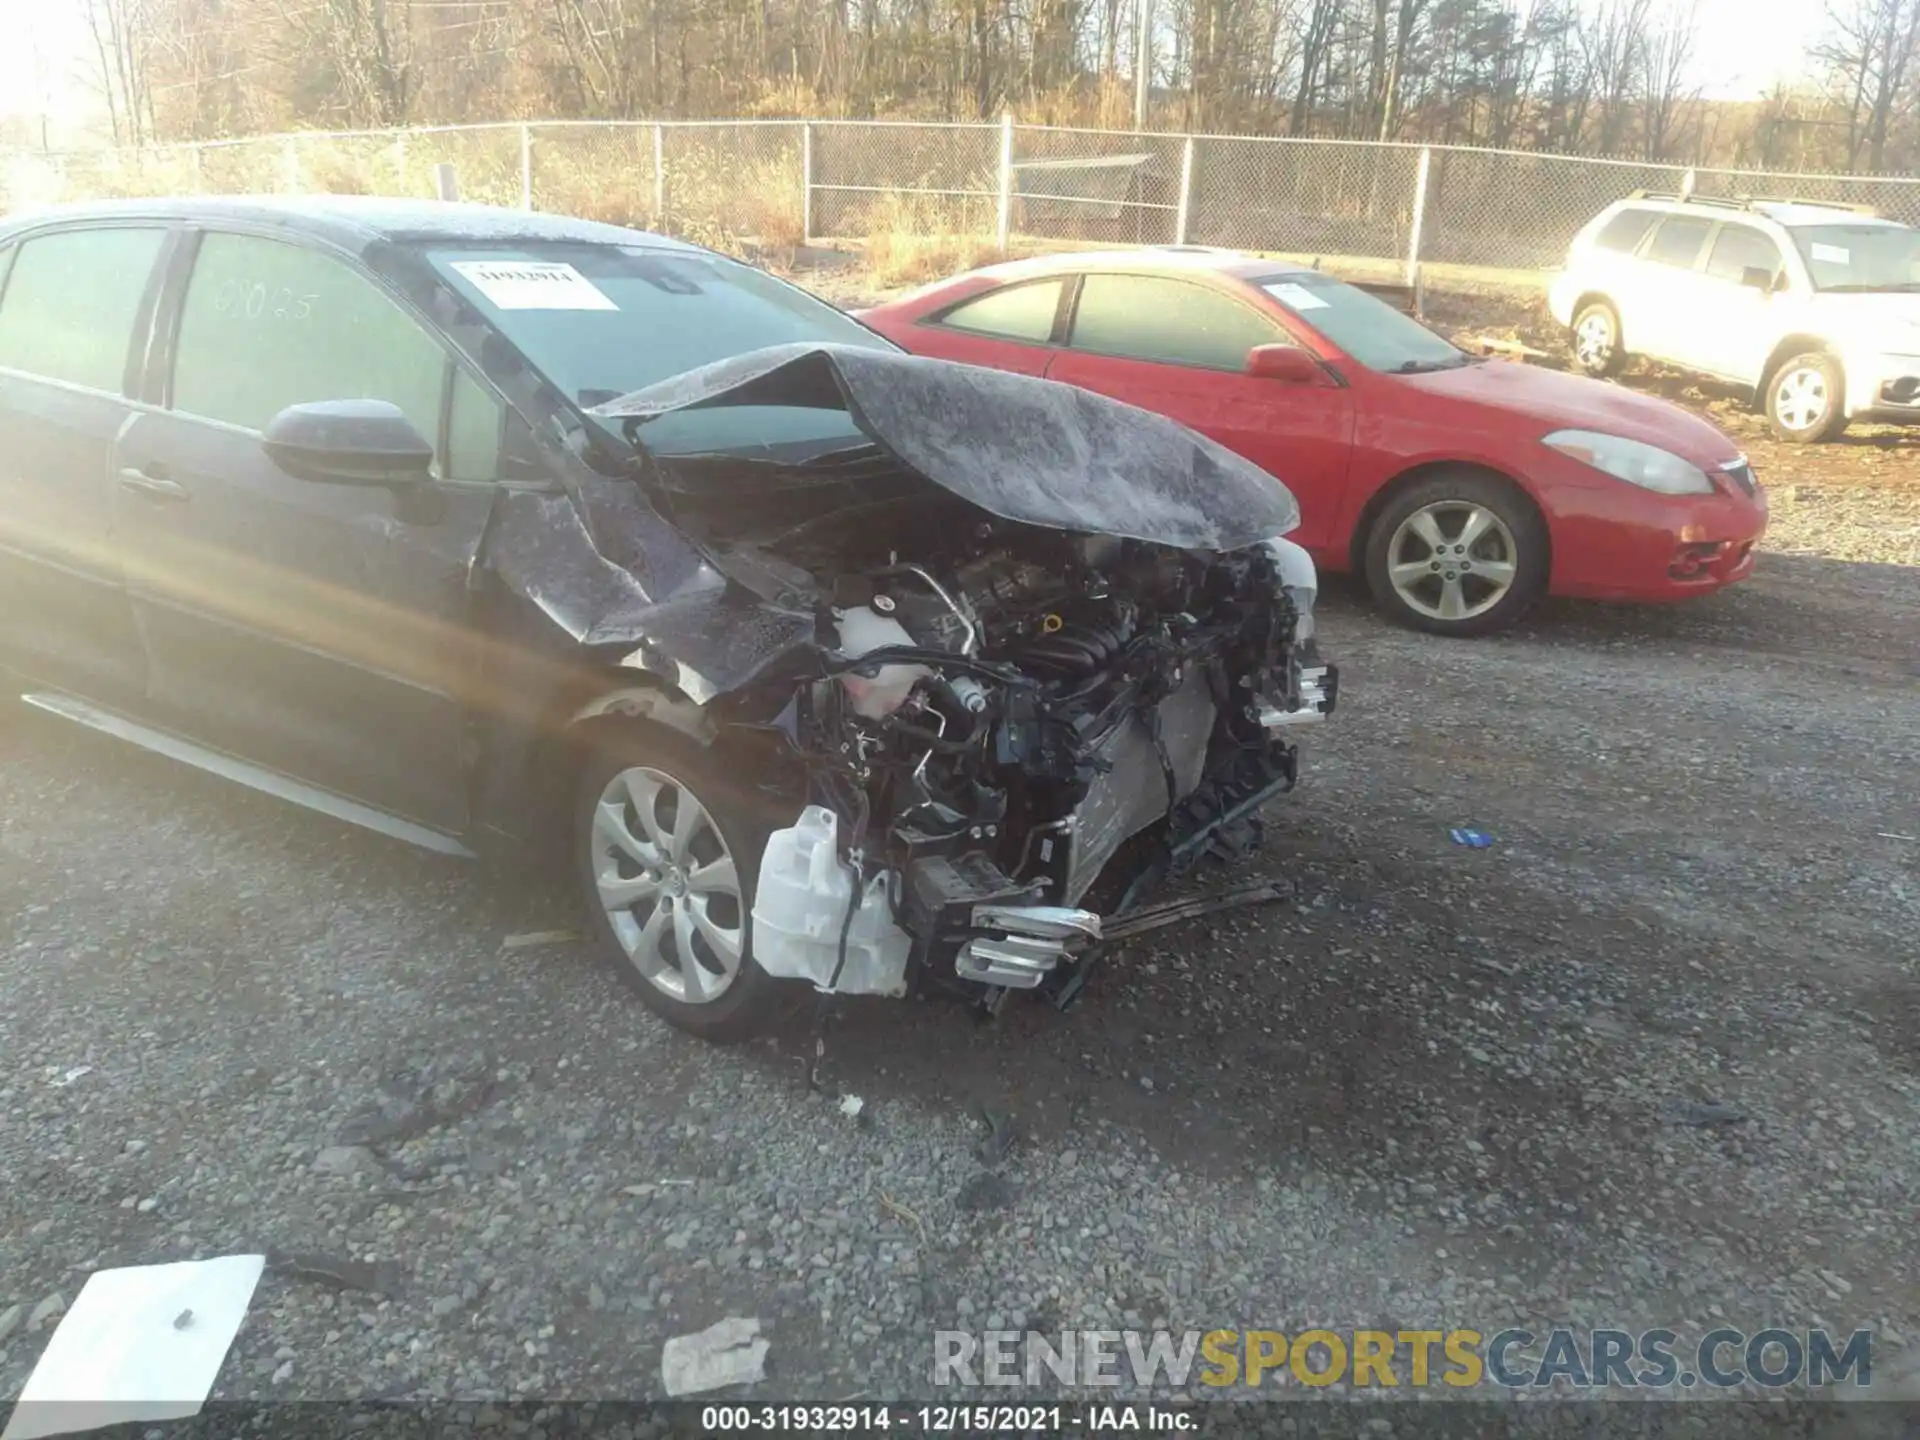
(1027, 450)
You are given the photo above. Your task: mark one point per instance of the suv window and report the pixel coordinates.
(71, 301)
(1677, 241)
(1738, 248)
(267, 324)
(1145, 317)
(1018, 312)
(1624, 230)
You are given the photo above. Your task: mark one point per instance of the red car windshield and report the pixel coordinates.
(1370, 330)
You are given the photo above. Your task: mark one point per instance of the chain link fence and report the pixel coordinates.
(788, 182)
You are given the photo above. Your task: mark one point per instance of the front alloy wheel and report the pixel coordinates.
(1596, 340)
(1806, 399)
(668, 885)
(667, 851)
(1452, 560)
(1460, 552)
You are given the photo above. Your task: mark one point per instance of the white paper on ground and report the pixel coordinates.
(1833, 254)
(119, 1354)
(534, 285)
(1297, 296)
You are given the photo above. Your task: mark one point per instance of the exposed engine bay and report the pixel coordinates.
(1059, 673)
(998, 722)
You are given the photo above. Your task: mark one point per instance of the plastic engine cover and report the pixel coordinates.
(801, 903)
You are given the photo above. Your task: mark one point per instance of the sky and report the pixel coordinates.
(1743, 47)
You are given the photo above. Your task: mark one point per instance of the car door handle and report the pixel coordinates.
(154, 486)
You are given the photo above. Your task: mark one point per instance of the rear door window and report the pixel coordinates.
(1624, 230)
(1677, 242)
(71, 301)
(1015, 312)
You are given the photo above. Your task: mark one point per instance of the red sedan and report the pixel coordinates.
(1462, 489)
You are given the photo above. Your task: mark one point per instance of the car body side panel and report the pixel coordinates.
(317, 629)
(65, 619)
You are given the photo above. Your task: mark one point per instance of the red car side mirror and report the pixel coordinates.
(1288, 363)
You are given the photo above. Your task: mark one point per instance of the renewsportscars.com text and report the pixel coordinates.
(1459, 1359)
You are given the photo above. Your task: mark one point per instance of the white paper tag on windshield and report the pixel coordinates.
(533, 285)
(1833, 254)
(1298, 296)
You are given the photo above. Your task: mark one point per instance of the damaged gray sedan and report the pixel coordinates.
(510, 534)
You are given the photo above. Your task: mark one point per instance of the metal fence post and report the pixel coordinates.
(806, 183)
(659, 177)
(1419, 214)
(446, 184)
(1184, 213)
(290, 160)
(1003, 230)
(526, 167)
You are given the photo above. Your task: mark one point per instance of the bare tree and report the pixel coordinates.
(1871, 57)
(120, 31)
(1665, 91)
(1613, 41)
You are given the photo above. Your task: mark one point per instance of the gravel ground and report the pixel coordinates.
(1441, 1086)
(1653, 1058)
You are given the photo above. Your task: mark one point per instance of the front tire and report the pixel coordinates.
(666, 856)
(1459, 553)
(1596, 340)
(1807, 399)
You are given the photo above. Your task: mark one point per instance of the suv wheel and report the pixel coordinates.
(1460, 553)
(667, 853)
(1806, 399)
(1596, 340)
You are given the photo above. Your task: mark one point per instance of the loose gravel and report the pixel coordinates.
(1650, 1058)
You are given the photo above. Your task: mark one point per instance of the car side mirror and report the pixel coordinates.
(348, 442)
(1758, 277)
(1287, 363)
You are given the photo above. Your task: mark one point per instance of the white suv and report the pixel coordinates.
(1815, 307)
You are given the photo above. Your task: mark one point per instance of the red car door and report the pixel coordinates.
(1180, 348)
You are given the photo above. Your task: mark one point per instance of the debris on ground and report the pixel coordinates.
(121, 1354)
(62, 1081)
(1171, 912)
(347, 1160)
(729, 1352)
(1471, 838)
(1703, 1114)
(987, 1191)
(993, 1146)
(537, 939)
(340, 1272)
(851, 1106)
(46, 1310)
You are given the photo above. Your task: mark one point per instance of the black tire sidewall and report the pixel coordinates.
(1836, 419)
(755, 997)
(1505, 500)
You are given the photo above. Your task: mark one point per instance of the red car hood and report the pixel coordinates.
(1565, 402)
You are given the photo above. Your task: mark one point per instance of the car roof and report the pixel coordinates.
(1791, 213)
(354, 220)
(1781, 212)
(1150, 259)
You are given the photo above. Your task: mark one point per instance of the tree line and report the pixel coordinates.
(1601, 77)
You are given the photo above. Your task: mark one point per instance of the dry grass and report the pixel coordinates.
(911, 239)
